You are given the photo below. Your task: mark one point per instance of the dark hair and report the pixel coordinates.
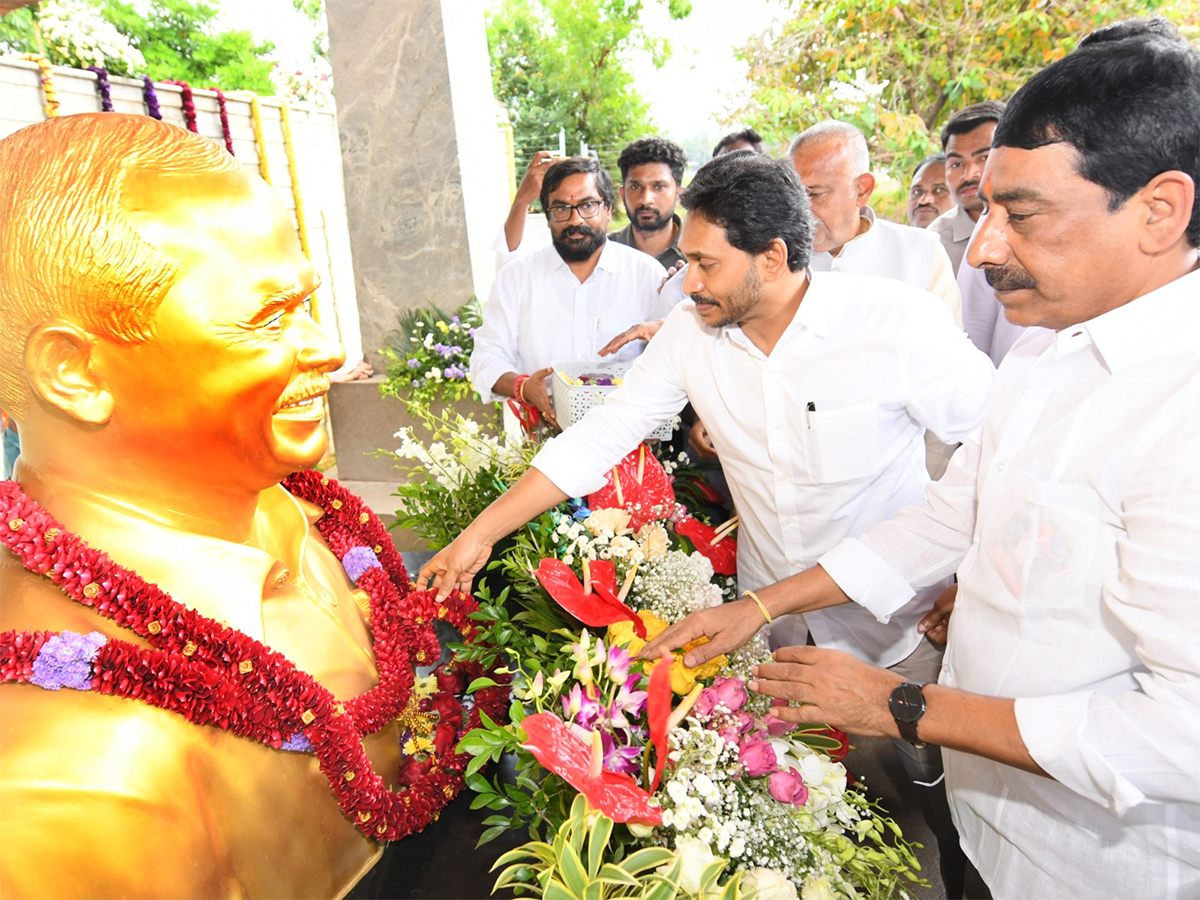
(1119, 31)
(577, 165)
(749, 135)
(931, 158)
(653, 150)
(971, 117)
(755, 199)
(1130, 107)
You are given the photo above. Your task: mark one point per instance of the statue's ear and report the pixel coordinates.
(58, 363)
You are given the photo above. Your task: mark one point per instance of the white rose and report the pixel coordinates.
(695, 856)
(614, 520)
(817, 889)
(769, 884)
(653, 538)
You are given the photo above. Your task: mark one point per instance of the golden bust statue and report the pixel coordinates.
(157, 354)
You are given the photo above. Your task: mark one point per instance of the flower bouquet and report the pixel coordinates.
(691, 786)
(429, 354)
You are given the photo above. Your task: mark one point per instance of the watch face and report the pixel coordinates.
(907, 703)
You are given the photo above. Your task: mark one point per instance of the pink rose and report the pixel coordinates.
(787, 786)
(758, 757)
(731, 693)
(704, 703)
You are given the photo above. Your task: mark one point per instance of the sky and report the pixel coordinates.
(697, 84)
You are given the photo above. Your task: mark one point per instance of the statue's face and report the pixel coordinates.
(230, 387)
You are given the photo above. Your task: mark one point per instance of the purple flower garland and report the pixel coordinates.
(151, 98)
(103, 88)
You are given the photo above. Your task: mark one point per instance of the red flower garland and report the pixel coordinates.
(189, 107)
(213, 674)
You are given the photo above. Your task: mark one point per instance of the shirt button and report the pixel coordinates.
(789, 521)
(1000, 467)
(782, 477)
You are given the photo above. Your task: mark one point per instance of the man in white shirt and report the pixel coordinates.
(832, 161)
(966, 141)
(815, 388)
(566, 301)
(1073, 519)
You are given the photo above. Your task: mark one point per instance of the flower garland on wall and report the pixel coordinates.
(223, 112)
(260, 142)
(49, 91)
(103, 88)
(189, 106)
(151, 98)
(214, 675)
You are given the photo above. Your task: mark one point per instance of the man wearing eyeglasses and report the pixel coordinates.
(567, 300)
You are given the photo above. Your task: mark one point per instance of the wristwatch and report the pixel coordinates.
(907, 705)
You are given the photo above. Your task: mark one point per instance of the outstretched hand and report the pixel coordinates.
(727, 627)
(640, 332)
(454, 566)
(831, 688)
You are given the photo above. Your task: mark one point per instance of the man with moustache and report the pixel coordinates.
(929, 195)
(156, 350)
(566, 301)
(651, 175)
(1067, 704)
(966, 142)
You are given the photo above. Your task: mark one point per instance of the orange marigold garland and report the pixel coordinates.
(212, 674)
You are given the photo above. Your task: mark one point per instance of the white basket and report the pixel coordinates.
(573, 401)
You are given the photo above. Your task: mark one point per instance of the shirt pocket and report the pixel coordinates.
(842, 444)
(1053, 547)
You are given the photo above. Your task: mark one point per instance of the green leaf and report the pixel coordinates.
(646, 858)
(613, 874)
(571, 867)
(556, 890)
(598, 843)
(480, 683)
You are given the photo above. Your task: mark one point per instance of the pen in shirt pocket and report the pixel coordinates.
(808, 411)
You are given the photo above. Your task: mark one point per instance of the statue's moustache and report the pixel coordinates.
(307, 386)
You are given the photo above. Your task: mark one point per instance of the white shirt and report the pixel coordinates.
(539, 312)
(954, 228)
(983, 316)
(1076, 517)
(878, 360)
(888, 250)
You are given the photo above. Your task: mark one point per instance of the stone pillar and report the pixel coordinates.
(423, 159)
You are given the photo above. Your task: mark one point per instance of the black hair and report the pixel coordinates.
(577, 165)
(1130, 107)
(931, 158)
(653, 150)
(1119, 31)
(971, 117)
(756, 199)
(749, 135)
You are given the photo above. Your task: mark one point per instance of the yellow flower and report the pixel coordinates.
(415, 745)
(683, 679)
(612, 519)
(442, 327)
(424, 687)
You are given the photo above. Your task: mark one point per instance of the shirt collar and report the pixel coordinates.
(222, 580)
(867, 214)
(962, 226)
(1156, 324)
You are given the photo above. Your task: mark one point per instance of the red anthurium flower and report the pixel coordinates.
(658, 711)
(599, 608)
(638, 484)
(613, 793)
(722, 555)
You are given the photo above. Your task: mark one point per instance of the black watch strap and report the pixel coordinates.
(907, 705)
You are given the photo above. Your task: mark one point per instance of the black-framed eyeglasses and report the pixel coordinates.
(588, 209)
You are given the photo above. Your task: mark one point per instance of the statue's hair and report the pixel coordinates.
(66, 247)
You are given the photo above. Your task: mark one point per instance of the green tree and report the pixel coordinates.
(564, 64)
(177, 40)
(899, 69)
